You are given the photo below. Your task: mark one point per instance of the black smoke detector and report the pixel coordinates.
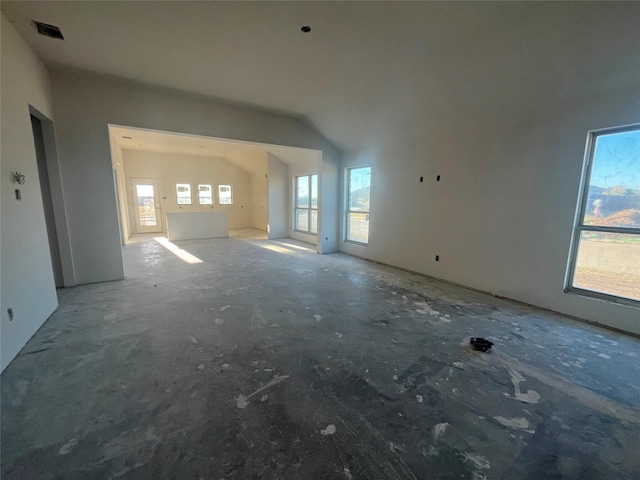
(47, 30)
(306, 29)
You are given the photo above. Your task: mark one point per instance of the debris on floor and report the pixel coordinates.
(480, 344)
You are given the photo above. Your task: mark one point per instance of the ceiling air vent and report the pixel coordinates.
(47, 30)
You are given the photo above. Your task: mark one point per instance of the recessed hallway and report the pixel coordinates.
(269, 361)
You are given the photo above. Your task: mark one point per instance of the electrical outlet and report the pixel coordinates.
(437, 178)
(437, 258)
(421, 179)
(10, 312)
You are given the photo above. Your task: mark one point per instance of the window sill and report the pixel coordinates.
(602, 296)
(353, 242)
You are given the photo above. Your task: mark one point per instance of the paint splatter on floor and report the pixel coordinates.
(329, 430)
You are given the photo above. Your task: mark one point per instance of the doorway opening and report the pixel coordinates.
(161, 176)
(52, 199)
(147, 209)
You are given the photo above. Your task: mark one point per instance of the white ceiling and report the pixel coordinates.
(362, 64)
(250, 157)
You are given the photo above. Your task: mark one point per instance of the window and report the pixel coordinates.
(605, 252)
(183, 193)
(204, 195)
(224, 195)
(306, 210)
(359, 187)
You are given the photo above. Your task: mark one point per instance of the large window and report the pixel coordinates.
(605, 255)
(204, 195)
(359, 187)
(224, 195)
(183, 193)
(306, 209)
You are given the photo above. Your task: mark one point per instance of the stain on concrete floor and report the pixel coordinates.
(268, 361)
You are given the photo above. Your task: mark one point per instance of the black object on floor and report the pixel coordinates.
(480, 344)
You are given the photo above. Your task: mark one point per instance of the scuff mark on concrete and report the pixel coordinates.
(243, 401)
(459, 365)
(67, 447)
(519, 423)
(439, 430)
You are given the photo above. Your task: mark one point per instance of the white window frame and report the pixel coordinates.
(220, 202)
(348, 210)
(188, 185)
(579, 226)
(310, 209)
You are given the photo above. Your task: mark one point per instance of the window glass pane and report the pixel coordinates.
(609, 263)
(224, 195)
(183, 191)
(358, 227)
(613, 198)
(302, 220)
(314, 191)
(302, 192)
(359, 187)
(314, 221)
(204, 194)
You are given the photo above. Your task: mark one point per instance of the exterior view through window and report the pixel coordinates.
(204, 195)
(224, 195)
(359, 186)
(183, 193)
(306, 210)
(146, 205)
(605, 257)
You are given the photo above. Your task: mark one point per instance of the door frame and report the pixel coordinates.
(136, 212)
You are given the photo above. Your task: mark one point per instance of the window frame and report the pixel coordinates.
(220, 202)
(190, 194)
(210, 191)
(348, 210)
(579, 225)
(310, 209)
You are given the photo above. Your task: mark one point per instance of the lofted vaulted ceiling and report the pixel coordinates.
(250, 157)
(361, 65)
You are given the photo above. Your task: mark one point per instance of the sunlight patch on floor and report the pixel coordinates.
(177, 251)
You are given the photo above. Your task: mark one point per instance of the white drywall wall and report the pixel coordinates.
(501, 217)
(260, 198)
(278, 192)
(86, 104)
(330, 206)
(121, 182)
(171, 168)
(26, 274)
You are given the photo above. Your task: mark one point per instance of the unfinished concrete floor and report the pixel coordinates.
(268, 361)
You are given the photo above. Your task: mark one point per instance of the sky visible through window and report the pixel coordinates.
(616, 161)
